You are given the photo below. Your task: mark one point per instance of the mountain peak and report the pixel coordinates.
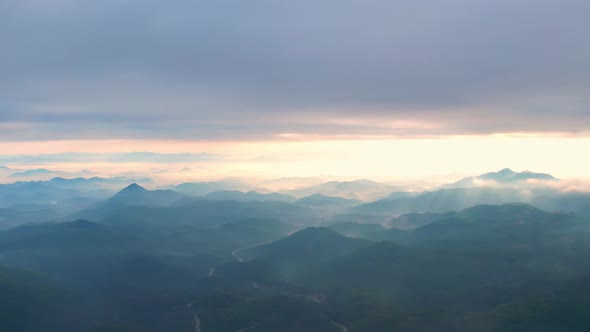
(134, 187)
(504, 176)
(501, 174)
(509, 175)
(137, 195)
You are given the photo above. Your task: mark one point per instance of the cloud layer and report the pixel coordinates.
(131, 157)
(262, 69)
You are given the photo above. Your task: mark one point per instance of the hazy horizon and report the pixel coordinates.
(387, 90)
(423, 161)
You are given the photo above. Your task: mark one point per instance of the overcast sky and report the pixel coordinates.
(249, 69)
(211, 70)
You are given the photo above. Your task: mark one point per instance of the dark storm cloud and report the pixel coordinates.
(253, 69)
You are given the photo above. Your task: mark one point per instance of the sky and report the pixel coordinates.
(380, 89)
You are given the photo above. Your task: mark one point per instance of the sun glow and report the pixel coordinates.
(384, 159)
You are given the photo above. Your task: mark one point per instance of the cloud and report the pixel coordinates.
(130, 157)
(260, 69)
(569, 185)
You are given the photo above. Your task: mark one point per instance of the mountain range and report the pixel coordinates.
(503, 177)
(94, 254)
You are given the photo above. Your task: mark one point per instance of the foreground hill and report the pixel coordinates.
(309, 245)
(485, 268)
(29, 302)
